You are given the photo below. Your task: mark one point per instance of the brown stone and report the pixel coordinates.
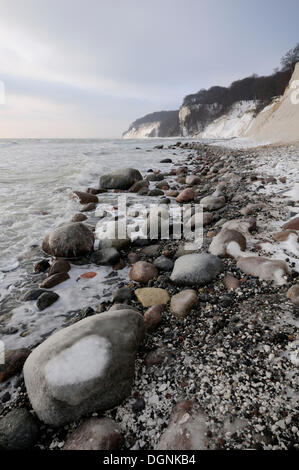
(192, 180)
(293, 294)
(186, 429)
(292, 224)
(86, 198)
(91, 206)
(153, 317)
(231, 282)
(143, 272)
(182, 303)
(54, 280)
(284, 235)
(95, 434)
(79, 218)
(14, 360)
(133, 257)
(185, 196)
(59, 266)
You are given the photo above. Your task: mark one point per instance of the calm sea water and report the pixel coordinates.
(37, 177)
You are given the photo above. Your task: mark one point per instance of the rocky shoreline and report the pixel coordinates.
(214, 332)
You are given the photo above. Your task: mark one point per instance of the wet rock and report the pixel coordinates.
(150, 296)
(186, 429)
(32, 294)
(212, 203)
(163, 263)
(89, 207)
(153, 317)
(143, 272)
(86, 198)
(264, 268)
(54, 280)
(228, 243)
(46, 300)
(162, 185)
(105, 257)
(13, 363)
(231, 282)
(196, 269)
(42, 266)
(293, 294)
(70, 240)
(79, 217)
(155, 177)
(121, 179)
(182, 303)
(138, 405)
(166, 160)
(156, 192)
(86, 367)
(59, 266)
(122, 295)
(185, 196)
(18, 430)
(95, 434)
(292, 224)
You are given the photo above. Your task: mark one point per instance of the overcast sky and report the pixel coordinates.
(88, 68)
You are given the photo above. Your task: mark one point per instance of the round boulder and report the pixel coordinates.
(70, 240)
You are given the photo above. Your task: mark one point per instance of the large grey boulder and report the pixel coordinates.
(69, 240)
(196, 269)
(121, 179)
(86, 367)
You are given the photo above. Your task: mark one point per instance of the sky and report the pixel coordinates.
(88, 68)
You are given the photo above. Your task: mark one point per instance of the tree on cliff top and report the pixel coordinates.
(290, 59)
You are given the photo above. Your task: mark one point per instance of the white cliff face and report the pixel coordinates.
(183, 114)
(143, 131)
(279, 122)
(235, 123)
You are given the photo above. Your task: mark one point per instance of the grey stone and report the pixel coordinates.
(18, 430)
(163, 263)
(86, 367)
(105, 257)
(46, 300)
(121, 179)
(196, 269)
(32, 294)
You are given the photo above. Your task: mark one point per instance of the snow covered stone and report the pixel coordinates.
(264, 268)
(85, 367)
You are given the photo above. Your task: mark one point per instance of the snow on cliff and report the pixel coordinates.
(235, 123)
(149, 129)
(279, 122)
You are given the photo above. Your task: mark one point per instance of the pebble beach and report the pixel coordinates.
(184, 350)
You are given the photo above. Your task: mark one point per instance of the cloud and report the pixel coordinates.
(111, 62)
